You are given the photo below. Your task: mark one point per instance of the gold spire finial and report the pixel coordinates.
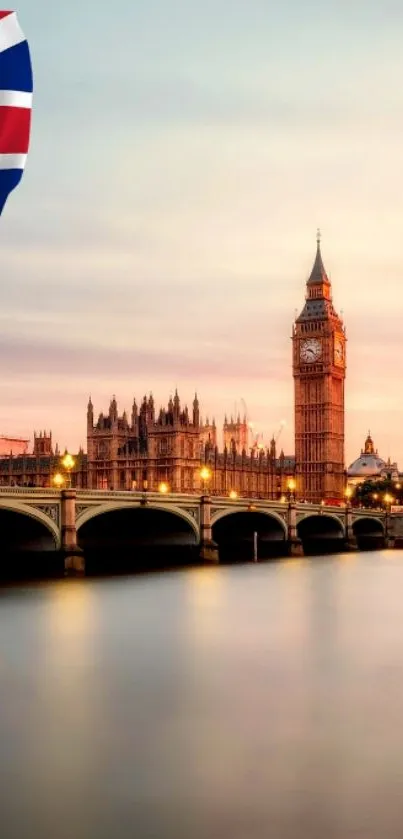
(318, 236)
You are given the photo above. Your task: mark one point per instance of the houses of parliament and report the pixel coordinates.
(166, 448)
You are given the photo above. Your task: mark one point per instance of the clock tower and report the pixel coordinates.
(319, 369)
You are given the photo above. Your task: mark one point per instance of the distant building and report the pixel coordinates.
(38, 468)
(13, 446)
(370, 466)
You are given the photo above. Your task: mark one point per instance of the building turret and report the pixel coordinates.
(236, 434)
(151, 410)
(196, 411)
(176, 407)
(90, 414)
(113, 411)
(43, 444)
(135, 415)
(369, 447)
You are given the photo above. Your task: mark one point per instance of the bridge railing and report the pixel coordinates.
(182, 497)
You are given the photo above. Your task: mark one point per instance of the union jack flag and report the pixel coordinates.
(15, 103)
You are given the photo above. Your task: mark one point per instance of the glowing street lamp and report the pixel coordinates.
(205, 474)
(58, 480)
(291, 486)
(347, 494)
(233, 494)
(68, 464)
(163, 488)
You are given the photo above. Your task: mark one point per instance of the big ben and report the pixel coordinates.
(319, 369)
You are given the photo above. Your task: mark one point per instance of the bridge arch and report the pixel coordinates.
(243, 534)
(36, 514)
(320, 525)
(369, 532)
(368, 525)
(102, 509)
(228, 511)
(121, 537)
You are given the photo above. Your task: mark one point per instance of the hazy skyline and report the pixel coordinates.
(182, 157)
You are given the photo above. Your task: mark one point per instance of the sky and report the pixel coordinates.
(183, 155)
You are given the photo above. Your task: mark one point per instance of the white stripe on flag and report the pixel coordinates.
(15, 99)
(10, 32)
(12, 161)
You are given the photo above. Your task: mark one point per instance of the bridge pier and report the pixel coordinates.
(295, 546)
(208, 549)
(74, 564)
(351, 539)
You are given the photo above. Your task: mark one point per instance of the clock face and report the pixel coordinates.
(338, 351)
(310, 350)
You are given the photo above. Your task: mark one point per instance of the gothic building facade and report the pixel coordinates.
(170, 447)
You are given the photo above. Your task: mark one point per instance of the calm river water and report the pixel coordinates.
(247, 701)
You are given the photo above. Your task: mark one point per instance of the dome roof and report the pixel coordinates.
(367, 465)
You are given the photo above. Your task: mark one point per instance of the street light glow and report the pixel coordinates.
(205, 473)
(163, 488)
(233, 494)
(58, 480)
(68, 462)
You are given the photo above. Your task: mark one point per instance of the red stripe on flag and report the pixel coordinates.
(4, 14)
(14, 130)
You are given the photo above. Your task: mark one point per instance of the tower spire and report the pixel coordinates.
(318, 274)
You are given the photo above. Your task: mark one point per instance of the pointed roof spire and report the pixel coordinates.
(318, 273)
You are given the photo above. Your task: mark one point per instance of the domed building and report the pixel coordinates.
(371, 466)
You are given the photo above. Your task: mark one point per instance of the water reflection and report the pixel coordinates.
(246, 701)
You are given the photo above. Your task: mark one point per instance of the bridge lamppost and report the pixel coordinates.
(388, 500)
(233, 495)
(291, 487)
(348, 522)
(68, 464)
(205, 474)
(348, 494)
(163, 488)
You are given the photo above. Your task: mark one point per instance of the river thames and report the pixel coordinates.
(246, 701)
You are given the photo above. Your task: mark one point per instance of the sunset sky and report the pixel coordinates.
(183, 155)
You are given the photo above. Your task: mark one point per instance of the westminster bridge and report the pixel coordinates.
(73, 522)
